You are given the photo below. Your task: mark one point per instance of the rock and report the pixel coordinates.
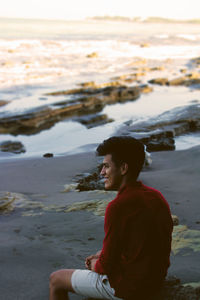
(185, 239)
(8, 63)
(158, 140)
(13, 147)
(6, 199)
(159, 68)
(187, 80)
(48, 155)
(175, 220)
(173, 289)
(129, 78)
(2, 102)
(138, 61)
(88, 84)
(90, 182)
(93, 84)
(9, 201)
(93, 55)
(82, 101)
(196, 61)
(11, 50)
(193, 75)
(145, 45)
(178, 81)
(138, 74)
(159, 81)
(145, 89)
(159, 133)
(183, 70)
(94, 120)
(98, 207)
(161, 141)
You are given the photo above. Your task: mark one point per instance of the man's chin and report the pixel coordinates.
(109, 188)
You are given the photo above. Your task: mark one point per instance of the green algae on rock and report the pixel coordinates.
(185, 238)
(6, 199)
(9, 201)
(97, 206)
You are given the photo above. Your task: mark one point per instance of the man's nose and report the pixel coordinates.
(102, 171)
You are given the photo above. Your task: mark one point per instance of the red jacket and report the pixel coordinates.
(137, 243)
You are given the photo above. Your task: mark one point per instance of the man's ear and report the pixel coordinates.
(124, 168)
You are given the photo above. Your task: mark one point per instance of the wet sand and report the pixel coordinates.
(38, 239)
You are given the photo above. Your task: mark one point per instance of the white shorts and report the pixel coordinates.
(90, 284)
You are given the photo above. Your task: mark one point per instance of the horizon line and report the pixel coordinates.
(108, 18)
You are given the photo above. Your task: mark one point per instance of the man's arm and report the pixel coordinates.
(111, 249)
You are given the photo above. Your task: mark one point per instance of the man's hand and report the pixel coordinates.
(93, 263)
(90, 261)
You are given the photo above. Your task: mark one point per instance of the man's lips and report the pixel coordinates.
(105, 179)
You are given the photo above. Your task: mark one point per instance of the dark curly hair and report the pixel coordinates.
(124, 149)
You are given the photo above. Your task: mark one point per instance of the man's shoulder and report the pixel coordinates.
(139, 192)
(137, 188)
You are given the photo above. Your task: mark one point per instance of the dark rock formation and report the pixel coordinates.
(48, 155)
(158, 133)
(173, 289)
(181, 120)
(13, 147)
(82, 101)
(93, 84)
(160, 81)
(187, 80)
(94, 120)
(191, 79)
(160, 141)
(93, 55)
(90, 182)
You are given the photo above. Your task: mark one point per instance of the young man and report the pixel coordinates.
(134, 258)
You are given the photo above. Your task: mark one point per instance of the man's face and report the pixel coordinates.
(111, 173)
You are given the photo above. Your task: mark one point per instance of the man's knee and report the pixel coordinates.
(61, 280)
(54, 280)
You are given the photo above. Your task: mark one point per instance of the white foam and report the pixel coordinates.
(39, 61)
(189, 37)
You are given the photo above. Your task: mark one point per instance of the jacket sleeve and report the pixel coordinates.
(111, 249)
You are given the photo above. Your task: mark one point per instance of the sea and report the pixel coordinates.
(43, 56)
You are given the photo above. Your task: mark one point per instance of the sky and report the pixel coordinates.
(79, 9)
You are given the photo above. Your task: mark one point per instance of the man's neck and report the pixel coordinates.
(127, 180)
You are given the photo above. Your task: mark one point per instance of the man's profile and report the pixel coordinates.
(134, 259)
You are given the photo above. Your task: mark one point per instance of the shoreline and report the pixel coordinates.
(183, 142)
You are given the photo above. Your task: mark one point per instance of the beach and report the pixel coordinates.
(64, 88)
(39, 235)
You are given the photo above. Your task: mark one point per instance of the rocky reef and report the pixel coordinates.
(190, 79)
(159, 133)
(83, 101)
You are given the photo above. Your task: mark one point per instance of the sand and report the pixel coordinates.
(39, 236)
